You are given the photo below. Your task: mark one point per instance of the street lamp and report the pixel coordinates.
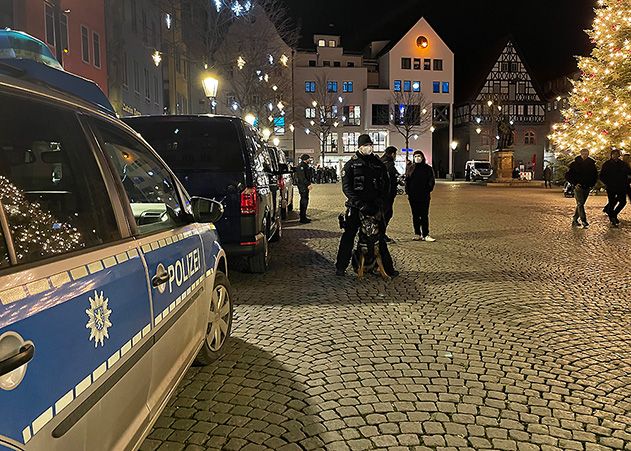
(454, 145)
(211, 86)
(276, 141)
(250, 119)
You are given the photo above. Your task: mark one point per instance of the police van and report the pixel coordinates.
(112, 278)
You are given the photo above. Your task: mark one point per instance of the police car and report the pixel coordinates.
(112, 279)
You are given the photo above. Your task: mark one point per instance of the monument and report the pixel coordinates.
(503, 163)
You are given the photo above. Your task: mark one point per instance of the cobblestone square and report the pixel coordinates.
(511, 332)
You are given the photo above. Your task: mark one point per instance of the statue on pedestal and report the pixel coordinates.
(505, 130)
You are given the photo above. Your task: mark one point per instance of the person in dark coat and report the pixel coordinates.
(615, 175)
(304, 182)
(388, 160)
(547, 176)
(583, 175)
(419, 184)
(366, 186)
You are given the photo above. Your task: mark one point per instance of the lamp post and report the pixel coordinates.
(211, 86)
(454, 146)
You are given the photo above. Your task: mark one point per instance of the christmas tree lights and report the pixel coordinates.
(599, 115)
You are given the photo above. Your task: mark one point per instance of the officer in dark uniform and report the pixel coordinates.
(304, 180)
(365, 184)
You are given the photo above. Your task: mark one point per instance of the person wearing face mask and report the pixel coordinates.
(365, 184)
(419, 184)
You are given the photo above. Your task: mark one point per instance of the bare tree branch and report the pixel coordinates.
(410, 114)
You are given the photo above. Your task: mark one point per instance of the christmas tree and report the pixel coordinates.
(599, 116)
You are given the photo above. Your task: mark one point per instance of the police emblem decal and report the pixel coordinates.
(98, 318)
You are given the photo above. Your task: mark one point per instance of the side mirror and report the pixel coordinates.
(206, 210)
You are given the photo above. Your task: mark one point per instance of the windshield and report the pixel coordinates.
(20, 46)
(193, 145)
(482, 165)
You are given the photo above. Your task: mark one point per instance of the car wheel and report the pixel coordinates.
(219, 321)
(260, 262)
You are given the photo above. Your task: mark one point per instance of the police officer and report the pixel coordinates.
(388, 159)
(304, 180)
(365, 184)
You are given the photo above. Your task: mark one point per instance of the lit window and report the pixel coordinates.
(529, 138)
(85, 44)
(331, 86)
(406, 63)
(407, 86)
(397, 86)
(279, 126)
(331, 43)
(379, 141)
(321, 43)
(436, 86)
(416, 86)
(347, 86)
(427, 64)
(445, 87)
(417, 64)
(349, 140)
(310, 86)
(330, 143)
(310, 113)
(438, 64)
(353, 114)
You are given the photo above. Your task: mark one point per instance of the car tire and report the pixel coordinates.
(259, 263)
(279, 232)
(219, 321)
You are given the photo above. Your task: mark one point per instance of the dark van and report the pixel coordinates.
(223, 158)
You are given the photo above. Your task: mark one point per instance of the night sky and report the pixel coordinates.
(549, 32)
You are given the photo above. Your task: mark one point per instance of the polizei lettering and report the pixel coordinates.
(183, 269)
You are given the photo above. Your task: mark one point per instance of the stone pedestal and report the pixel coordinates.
(503, 164)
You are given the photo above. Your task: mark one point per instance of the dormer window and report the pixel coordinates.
(332, 43)
(321, 43)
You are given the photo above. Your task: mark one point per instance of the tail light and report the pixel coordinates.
(281, 182)
(249, 201)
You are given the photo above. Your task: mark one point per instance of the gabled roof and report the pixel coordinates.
(394, 42)
(472, 80)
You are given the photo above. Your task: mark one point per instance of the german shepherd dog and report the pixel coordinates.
(366, 256)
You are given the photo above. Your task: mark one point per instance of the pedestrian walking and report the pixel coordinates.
(419, 184)
(582, 174)
(388, 160)
(304, 181)
(615, 175)
(365, 184)
(547, 176)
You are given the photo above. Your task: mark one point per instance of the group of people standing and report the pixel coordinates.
(615, 175)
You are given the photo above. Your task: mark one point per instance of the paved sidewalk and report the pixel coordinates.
(511, 332)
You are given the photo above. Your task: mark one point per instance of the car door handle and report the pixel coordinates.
(24, 355)
(160, 279)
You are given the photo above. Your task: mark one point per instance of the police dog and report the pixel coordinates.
(366, 256)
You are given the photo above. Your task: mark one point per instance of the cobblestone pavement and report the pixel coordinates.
(511, 332)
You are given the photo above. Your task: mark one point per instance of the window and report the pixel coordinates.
(145, 37)
(156, 90)
(445, 86)
(64, 32)
(51, 187)
(417, 64)
(321, 43)
(326, 63)
(380, 114)
(436, 87)
(353, 114)
(136, 78)
(96, 43)
(347, 86)
(50, 25)
(407, 114)
(332, 43)
(406, 63)
(379, 141)
(416, 86)
(310, 113)
(529, 138)
(427, 64)
(530, 110)
(438, 64)
(520, 110)
(349, 140)
(310, 86)
(350, 64)
(85, 44)
(279, 126)
(150, 188)
(125, 70)
(336, 64)
(312, 63)
(397, 86)
(147, 86)
(407, 86)
(331, 86)
(330, 143)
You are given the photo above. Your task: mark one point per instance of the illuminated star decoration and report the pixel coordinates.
(98, 318)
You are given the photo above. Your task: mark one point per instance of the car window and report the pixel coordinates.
(483, 165)
(151, 190)
(193, 146)
(51, 189)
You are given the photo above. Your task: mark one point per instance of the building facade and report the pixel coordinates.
(134, 46)
(508, 92)
(73, 29)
